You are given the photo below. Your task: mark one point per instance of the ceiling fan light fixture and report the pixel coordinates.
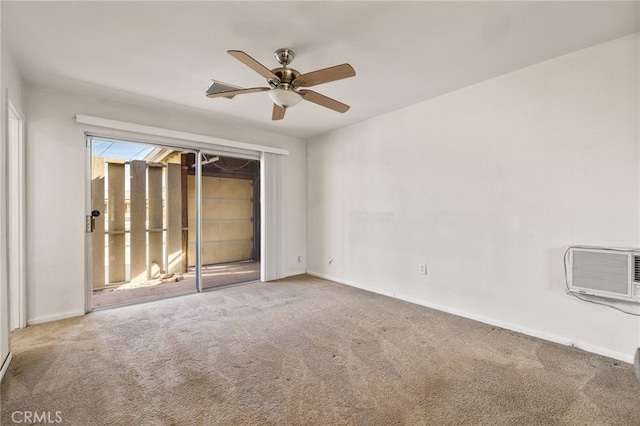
(285, 98)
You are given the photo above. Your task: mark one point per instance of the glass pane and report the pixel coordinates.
(229, 192)
(138, 246)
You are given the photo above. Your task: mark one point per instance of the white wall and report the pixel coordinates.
(10, 80)
(56, 191)
(488, 185)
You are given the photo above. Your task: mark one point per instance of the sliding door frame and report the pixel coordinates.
(272, 257)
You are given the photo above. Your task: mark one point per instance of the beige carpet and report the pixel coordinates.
(305, 351)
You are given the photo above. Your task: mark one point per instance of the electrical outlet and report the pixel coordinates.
(422, 268)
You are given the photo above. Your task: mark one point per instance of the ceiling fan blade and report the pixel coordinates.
(322, 100)
(230, 94)
(278, 112)
(324, 76)
(254, 65)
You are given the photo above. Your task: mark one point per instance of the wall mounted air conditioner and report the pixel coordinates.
(611, 273)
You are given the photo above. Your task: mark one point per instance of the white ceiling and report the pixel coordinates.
(163, 54)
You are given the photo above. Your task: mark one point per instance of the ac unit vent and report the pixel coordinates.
(601, 271)
(605, 272)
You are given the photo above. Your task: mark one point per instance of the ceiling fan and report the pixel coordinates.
(285, 83)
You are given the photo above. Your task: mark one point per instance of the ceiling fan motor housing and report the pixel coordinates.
(286, 75)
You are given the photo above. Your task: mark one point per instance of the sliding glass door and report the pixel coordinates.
(136, 222)
(168, 221)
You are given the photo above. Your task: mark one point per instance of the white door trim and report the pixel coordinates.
(16, 229)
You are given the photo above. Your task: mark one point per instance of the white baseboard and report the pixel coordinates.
(294, 273)
(524, 330)
(352, 284)
(5, 365)
(628, 358)
(54, 317)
